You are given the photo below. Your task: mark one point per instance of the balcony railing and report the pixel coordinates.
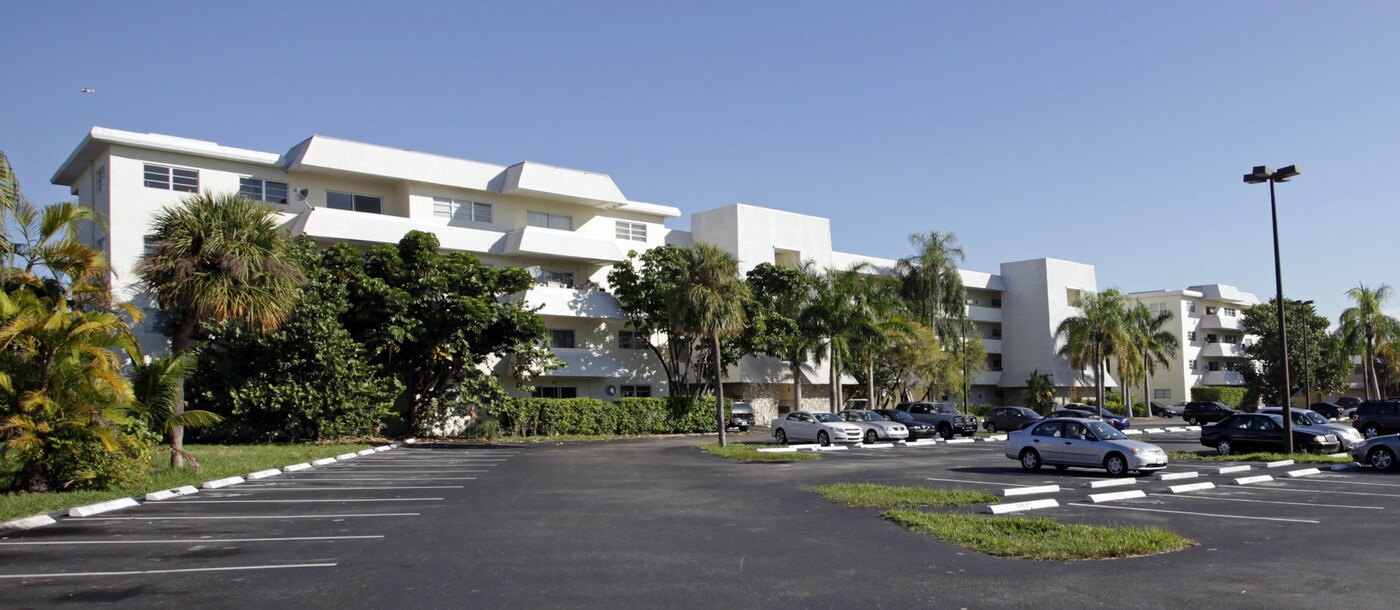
(1222, 378)
(587, 302)
(1222, 350)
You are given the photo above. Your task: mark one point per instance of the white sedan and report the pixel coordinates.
(824, 428)
(876, 426)
(1063, 442)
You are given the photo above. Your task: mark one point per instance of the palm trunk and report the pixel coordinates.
(796, 385)
(835, 392)
(870, 383)
(178, 344)
(719, 389)
(1370, 371)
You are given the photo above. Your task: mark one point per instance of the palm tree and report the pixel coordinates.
(712, 307)
(929, 280)
(1101, 330)
(1153, 346)
(837, 314)
(154, 381)
(217, 258)
(1365, 328)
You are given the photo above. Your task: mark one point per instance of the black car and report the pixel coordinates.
(1245, 432)
(741, 416)
(1378, 417)
(1198, 413)
(1160, 410)
(917, 429)
(1009, 418)
(1073, 413)
(1327, 409)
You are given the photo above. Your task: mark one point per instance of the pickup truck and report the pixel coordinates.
(944, 416)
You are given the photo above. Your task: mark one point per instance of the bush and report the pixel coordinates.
(626, 416)
(1233, 396)
(88, 465)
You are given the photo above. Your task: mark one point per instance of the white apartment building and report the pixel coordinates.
(1208, 325)
(567, 226)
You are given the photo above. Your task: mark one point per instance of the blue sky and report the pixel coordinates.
(1113, 134)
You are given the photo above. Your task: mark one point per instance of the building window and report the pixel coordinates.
(1230, 312)
(101, 178)
(459, 209)
(549, 221)
(172, 178)
(559, 279)
(1232, 366)
(996, 302)
(1191, 335)
(634, 231)
(555, 392)
(1231, 339)
(1190, 307)
(631, 339)
(1155, 308)
(635, 391)
(995, 363)
(1161, 394)
(357, 203)
(1191, 365)
(1214, 366)
(1210, 311)
(258, 189)
(996, 333)
(1211, 338)
(561, 338)
(148, 244)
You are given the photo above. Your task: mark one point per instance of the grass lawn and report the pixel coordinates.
(1301, 458)
(871, 494)
(1035, 538)
(217, 462)
(744, 452)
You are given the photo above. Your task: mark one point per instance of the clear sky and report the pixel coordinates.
(1109, 133)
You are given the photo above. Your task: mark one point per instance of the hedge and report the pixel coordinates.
(1233, 396)
(626, 416)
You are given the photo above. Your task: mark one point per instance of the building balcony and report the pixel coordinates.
(1222, 350)
(555, 243)
(1216, 321)
(988, 378)
(1222, 378)
(993, 346)
(587, 302)
(361, 227)
(984, 314)
(609, 363)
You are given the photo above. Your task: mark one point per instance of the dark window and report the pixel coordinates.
(358, 203)
(549, 221)
(258, 189)
(636, 391)
(630, 339)
(1051, 428)
(555, 392)
(174, 179)
(561, 338)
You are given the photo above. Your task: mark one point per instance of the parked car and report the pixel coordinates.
(1378, 417)
(1158, 409)
(1009, 418)
(1349, 414)
(1346, 435)
(943, 415)
(1245, 432)
(1090, 443)
(1074, 413)
(1199, 413)
(1380, 452)
(824, 428)
(917, 429)
(876, 426)
(1348, 402)
(1327, 409)
(741, 416)
(1109, 417)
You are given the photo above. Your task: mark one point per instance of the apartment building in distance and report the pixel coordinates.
(567, 226)
(1206, 321)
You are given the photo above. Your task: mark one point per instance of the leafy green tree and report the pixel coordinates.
(1100, 330)
(1365, 328)
(711, 306)
(1040, 392)
(780, 293)
(882, 324)
(217, 258)
(1326, 361)
(435, 322)
(306, 379)
(914, 361)
(646, 285)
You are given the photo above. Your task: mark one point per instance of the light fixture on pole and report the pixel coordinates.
(1262, 173)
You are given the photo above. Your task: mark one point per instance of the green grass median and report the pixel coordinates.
(1301, 458)
(216, 462)
(1035, 538)
(746, 452)
(871, 494)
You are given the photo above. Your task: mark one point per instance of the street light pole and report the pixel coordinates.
(1262, 173)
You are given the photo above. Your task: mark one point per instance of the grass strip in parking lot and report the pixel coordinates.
(744, 452)
(871, 494)
(1301, 458)
(1038, 538)
(216, 462)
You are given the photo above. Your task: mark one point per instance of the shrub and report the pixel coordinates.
(1233, 396)
(627, 416)
(84, 464)
(642, 415)
(695, 414)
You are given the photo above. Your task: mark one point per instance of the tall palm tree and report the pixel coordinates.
(1099, 331)
(217, 258)
(837, 314)
(1153, 346)
(929, 280)
(712, 307)
(1365, 327)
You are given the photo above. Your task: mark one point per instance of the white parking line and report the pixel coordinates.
(186, 540)
(1327, 491)
(223, 517)
(1215, 497)
(302, 488)
(1182, 512)
(978, 482)
(172, 571)
(392, 472)
(1334, 479)
(300, 501)
(287, 480)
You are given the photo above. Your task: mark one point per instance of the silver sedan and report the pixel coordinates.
(1063, 442)
(1379, 451)
(876, 426)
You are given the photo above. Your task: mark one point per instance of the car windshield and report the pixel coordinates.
(1106, 432)
(945, 409)
(827, 417)
(1312, 418)
(900, 416)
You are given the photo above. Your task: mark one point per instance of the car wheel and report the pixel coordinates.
(870, 436)
(1192, 421)
(1116, 464)
(1381, 458)
(781, 436)
(1224, 447)
(1371, 431)
(991, 427)
(823, 438)
(744, 429)
(1030, 460)
(945, 431)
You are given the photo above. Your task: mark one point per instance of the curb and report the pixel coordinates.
(166, 494)
(26, 523)
(297, 467)
(1293, 474)
(263, 474)
(1176, 489)
(997, 509)
(1278, 463)
(1110, 483)
(101, 507)
(1263, 478)
(1028, 491)
(1117, 495)
(323, 461)
(346, 456)
(224, 482)
(1173, 476)
(1230, 469)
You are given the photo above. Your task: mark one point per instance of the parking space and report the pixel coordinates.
(320, 519)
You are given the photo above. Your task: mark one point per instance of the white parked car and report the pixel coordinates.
(876, 426)
(824, 428)
(1063, 442)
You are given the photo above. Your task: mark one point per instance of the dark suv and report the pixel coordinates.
(1378, 417)
(1009, 418)
(943, 415)
(741, 416)
(1197, 413)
